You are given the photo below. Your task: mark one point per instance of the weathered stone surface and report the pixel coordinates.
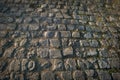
(55, 53)
(10, 19)
(78, 75)
(32, 76)
(104, 75)
(11, 26)
(52, 27)
(24, 63)
(88, 35)
(68, 51)
(49, 34)
(65, 34)
(114, 62)
(48, 75)
(44, 64)
(15, 66)
(84, 43)
(9, 52)
(70, 27)
(92, 52)
(43, 52)
(61, 27)
(103, 52)
(67, 75)
(31, 54)
(116, 76)
(81, 65)
(76, 34)
(94, 43)
(31, 65)
(58, 65)
(55, 43)
(28, 20)
(103, 63)
(70, 64)
(59, 15)
(90, 73)
(59, 39)
(23, 42)
(44, 42)
(33, 27)
(80, 27)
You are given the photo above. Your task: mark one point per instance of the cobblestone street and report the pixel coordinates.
(59, 39)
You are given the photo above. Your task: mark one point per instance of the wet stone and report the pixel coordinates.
(78, 75)
(44, 75)
(68, 51)
(55, 53)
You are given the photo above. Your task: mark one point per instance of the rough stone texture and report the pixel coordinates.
(78, 75)
(55, 53)
(47, 76)
(59, 39)
(68, 51)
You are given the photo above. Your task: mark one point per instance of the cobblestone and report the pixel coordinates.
(59, 40)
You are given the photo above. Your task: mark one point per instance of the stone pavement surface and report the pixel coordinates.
(59, 40)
